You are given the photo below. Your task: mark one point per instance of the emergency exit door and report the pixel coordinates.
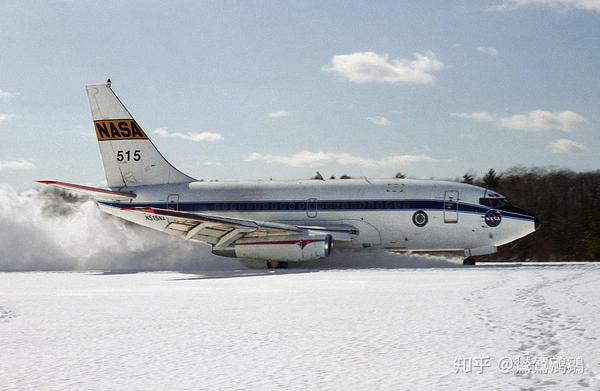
(311, 207)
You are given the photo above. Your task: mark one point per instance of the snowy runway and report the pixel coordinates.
(309, 329)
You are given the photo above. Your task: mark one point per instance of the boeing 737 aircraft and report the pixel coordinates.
(279, 222)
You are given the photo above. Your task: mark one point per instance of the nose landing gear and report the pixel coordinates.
(277, 265)
(471, 252)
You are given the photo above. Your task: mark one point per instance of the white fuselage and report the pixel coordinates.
(397, 214)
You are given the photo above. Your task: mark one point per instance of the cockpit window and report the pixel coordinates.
(496, 203)
(502, 204)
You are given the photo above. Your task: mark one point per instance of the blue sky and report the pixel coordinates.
(251, 90)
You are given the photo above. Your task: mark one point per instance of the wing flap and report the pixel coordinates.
(220, 231)
(219, 221)
(216, 230)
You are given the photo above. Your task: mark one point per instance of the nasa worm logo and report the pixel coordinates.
(493, 218)
(420, 218)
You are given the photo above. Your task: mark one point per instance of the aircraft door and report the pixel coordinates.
(311, 207)
(451, 206)
(173, 202)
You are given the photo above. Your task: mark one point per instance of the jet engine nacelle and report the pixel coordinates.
(285, 249)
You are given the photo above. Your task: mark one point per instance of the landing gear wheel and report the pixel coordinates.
(276, 265)
(469, 261)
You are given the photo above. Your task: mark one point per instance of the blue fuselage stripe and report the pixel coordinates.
(321, 206)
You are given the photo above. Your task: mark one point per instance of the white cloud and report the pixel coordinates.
(189, 136)
(560, 5)
(536, 120)
(6, 116)
(564, 145)
(315, 159)
(6, 94)
(279, 114)
(16, 165)
(543, 120)
(490, 51)
(479, 116)
(370, 67)
(379, 120)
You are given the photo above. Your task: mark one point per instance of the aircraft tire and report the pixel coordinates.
(276, 265)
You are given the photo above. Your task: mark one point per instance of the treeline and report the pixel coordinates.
(566, 202)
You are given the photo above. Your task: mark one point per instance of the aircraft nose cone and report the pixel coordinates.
(536, 222)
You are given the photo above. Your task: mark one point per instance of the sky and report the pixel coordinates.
(260, 89)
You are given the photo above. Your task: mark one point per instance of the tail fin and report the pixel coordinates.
(128, 156)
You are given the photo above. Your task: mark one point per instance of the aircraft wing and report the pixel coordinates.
(222, 231)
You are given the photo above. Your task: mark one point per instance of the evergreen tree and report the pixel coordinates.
(468, 178)
(491, 179)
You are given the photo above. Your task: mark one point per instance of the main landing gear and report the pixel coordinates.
(277, 265)
(472, 252)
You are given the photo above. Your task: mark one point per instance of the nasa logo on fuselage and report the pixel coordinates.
(118, 129)
(493, 218)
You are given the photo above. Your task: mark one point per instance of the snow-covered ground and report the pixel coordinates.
(303, 329)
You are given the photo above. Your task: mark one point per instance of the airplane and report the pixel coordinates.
(280, 222)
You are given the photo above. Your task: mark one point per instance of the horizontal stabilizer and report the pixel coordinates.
(92, 191)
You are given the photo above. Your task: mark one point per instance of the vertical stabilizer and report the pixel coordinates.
(128, 155)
